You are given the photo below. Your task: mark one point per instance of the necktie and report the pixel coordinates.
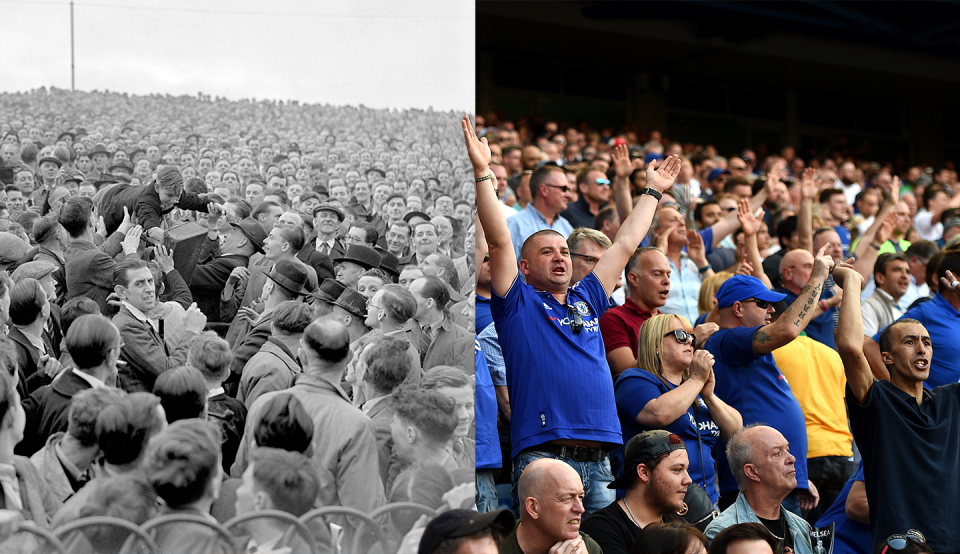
(425, 341)
(11, 487)
(325, 249)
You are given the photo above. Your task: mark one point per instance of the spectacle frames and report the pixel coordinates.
(899, 542)
(682, 337)
(576, 320)
(566, 190)
(728, 210)
(762, 304)
(592, 260)
(603, 182)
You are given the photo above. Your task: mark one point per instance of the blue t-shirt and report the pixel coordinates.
(844, 238)
(635, 388)
(488, 440)
(559, 382)
(482, 316)
(849, 536)
(755, 387)
(942, 321)
(820, 328)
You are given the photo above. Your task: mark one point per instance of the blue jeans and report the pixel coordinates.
(486, 491)
(595, 476)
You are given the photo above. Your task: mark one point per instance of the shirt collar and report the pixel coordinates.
(634, 307)
(36, 341)
(214, 392)
(93, 381)
(944, 305)
(138, 314)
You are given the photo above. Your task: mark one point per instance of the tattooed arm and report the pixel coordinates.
(795, 319)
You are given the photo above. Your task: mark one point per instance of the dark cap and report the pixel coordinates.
(362, 255)
(50, 159)
(353, 302)
(121, 164)
(290, 275)
(389, 262)
(644, 447)
(329, 290)
(329, 208)
(105, 179)
(716, 173)
(410, 215)
(452, 524)
(99, 148)
(253, 231)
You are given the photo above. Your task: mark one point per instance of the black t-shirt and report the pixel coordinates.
(781, 531)
(612, 528)
(910, 457)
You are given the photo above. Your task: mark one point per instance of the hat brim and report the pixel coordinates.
(350, 309)
(301, 292)
(362, 263)
(770, 296)
(322, 296)
(258, 247)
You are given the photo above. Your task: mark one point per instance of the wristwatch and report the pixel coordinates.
(652, 192)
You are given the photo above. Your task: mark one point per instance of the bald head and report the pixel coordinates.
(795, 269)
(328, 340)
(542, 476)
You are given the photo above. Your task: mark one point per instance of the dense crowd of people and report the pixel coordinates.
(733, 351)
(210, 309)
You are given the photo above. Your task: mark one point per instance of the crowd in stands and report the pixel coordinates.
(211, 309)
(715, 346)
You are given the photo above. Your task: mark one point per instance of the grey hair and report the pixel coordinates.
(740, 453)
(633, 264)
(580, 234)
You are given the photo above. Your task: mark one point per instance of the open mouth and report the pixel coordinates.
(559, 270)
(921, 364)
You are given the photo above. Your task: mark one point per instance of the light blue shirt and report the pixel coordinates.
(529, 221)
(741, 512)
(685, 284)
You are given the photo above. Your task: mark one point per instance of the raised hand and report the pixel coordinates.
(808, 184)
(238, 274)
(164, 258)
(704, 331)
(126, 223)
(885, 231)
(696, 249)
(702, 366)
(749, 223)
(477, 148)
(822, 262)
(744, 267)
(132, 241)
(949, 281)
(621, 161)
(662, 176)
(213, 216)
(49, 366)
(194, 320)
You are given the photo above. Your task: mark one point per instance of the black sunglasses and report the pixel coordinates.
(564, 189)
(899, 542)
(682, 337)
(486, 258)
(576, 321)
(762, 304)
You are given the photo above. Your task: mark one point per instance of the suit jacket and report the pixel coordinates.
(320, 263)
(272, 368)
(90, 269)
(44, 254)
(249, 342)
(210, 276)
(444, 350)
(145, 353)
(381, 413)
(47, 410)
(338, 248)
(143, 203)
(27, 359)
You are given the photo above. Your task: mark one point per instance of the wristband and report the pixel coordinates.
(823, 306)
(484, 178)
(705, 269)
(875, 246)
(652, 192)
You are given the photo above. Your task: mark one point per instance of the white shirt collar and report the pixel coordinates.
(213, 392)
(138, 314)
(94, 382)
(37, 342)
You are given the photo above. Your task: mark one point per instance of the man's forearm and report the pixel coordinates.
(805, 225)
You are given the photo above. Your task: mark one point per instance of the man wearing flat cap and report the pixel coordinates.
(326, 220)
(655, 478)
(747, 375)
(217, 261)
(48, 170)
(465, 532)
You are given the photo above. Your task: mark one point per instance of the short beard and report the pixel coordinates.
(657, 496)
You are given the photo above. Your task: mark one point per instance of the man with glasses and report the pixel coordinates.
(551, 195)
(561, 395)
(747, 375)
(594, 189)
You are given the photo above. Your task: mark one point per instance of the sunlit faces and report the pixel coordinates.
(140, 290)
(425, 239)
(380, 194)
(254, 194)
(369, 285)
(15, 200)
(409, 274)
(395, 208)
(25, 181)
(361, 191)
(326, 222)
(443, 206)
(348, 273)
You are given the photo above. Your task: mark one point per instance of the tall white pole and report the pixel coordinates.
(73, 86)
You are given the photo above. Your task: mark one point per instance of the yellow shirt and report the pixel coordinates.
(815, 373)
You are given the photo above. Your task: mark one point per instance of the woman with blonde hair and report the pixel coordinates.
(707, 301)
(672, 389)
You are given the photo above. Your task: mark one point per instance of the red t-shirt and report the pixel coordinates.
(620, 326)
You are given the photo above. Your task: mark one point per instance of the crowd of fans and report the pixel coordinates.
(675, 334)
(211, 309)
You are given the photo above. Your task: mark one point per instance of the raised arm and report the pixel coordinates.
(724, 227)
(808, 192)
(621, 187)
(503, 260)
(850, 333)
(773, 178)
(868, 249)
(632, 231)
(795, 319)
(751, 226)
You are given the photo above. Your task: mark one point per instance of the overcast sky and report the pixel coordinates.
(380, 53)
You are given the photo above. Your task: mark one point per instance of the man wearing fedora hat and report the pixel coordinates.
(284, 283)
(100, 157)
(350, 309)
(324, 297)
(217, 261)
(357, 258)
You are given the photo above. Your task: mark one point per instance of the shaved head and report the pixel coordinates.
(540, 476)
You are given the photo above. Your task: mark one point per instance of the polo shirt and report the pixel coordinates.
(635, 388)
(482, 313)
(942, 321)
(488, 440)
(849, 536)
(910, 455)
(559, 382)
(879, 311)
(755, 387)
(889, 247)
(819, 328)
(529, 221)
(578, 213)
(620, 326)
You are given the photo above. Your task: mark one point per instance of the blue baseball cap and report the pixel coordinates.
(716, 173)
(741, 287)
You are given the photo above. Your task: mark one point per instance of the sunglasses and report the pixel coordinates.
(567, 190)
(762, 304)
(682, 337)
(576, 321)
(899, 542)
(486, 258)
(603, 182)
